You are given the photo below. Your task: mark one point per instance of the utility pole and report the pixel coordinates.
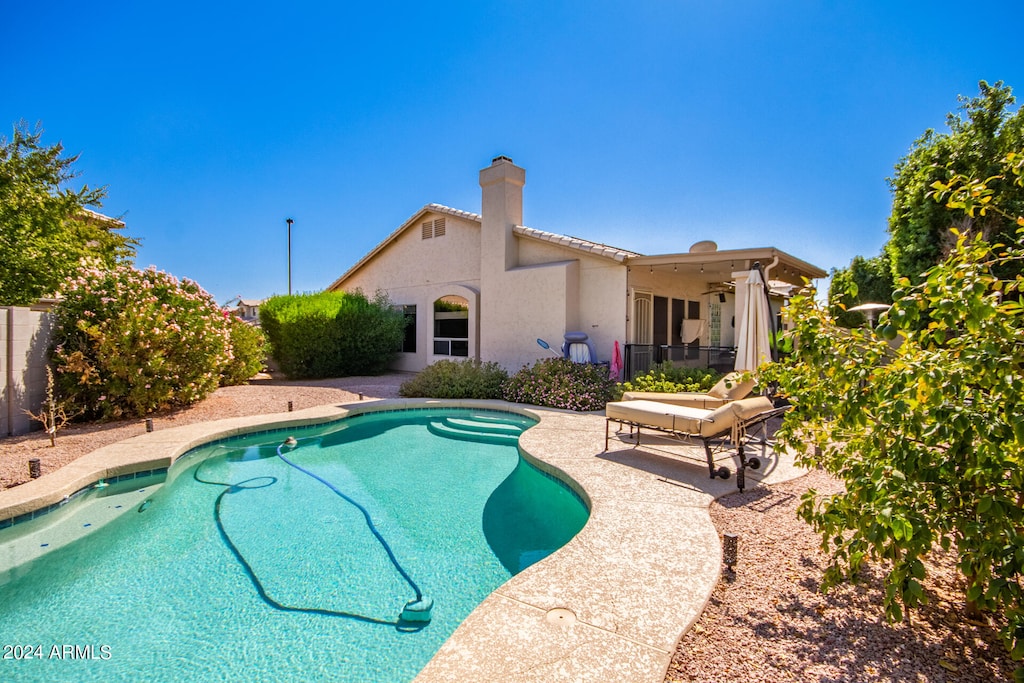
(289, 221)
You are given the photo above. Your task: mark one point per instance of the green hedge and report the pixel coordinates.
(332, 334)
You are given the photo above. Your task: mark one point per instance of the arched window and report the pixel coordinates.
(451, 326)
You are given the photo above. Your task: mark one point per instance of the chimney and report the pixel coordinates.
(501, 208)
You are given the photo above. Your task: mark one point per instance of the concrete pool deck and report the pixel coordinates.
(609, 606)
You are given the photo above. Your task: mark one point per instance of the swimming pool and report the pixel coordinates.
(241, 567)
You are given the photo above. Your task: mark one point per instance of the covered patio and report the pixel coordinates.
(684, 308)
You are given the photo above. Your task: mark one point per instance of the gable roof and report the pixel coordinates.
(427, 208)
(575, 243)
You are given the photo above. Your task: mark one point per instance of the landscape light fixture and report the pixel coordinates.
(289, 221)
(729, 543)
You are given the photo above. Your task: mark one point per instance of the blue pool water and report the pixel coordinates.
(241, 567)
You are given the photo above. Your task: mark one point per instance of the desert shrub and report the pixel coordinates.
(561, 383)
(332, 334)
(128, 342)
(456, 379)
(248, 352)
(665, 377)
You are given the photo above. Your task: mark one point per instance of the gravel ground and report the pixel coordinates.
(767, 622)
(260, 396)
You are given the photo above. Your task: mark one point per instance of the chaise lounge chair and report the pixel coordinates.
(728, 422)
(729, 388)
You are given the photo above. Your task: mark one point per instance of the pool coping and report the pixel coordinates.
(611, 605)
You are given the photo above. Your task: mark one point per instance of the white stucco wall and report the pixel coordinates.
(603, 304)
(417, 271)
(602, 299)
(411, 261)
(524, 304)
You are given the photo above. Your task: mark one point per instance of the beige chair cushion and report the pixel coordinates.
(685, 419)
(682, 398)
(731, 388)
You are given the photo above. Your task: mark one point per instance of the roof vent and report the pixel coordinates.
(501, 157)
(704, 247)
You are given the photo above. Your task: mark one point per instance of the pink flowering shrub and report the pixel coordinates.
(129, 342)
(561, 383)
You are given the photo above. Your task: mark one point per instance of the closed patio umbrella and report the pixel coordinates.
(753, 342)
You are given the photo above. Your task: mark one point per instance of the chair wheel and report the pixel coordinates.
(754, 463)
(723, 472)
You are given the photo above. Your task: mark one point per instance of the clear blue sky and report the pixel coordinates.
(646, 125)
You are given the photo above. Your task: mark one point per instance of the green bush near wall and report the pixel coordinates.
(332, 334)
(456, 379)
(664, 377)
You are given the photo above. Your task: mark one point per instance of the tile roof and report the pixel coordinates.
(595, 248)
(441, 208)
(586, 246)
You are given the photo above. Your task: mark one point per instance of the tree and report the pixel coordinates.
(46, 229)
(864, 281)
(976, 143)
(927, 436)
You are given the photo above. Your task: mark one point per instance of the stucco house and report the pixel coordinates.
(485, 286)
(249, 310)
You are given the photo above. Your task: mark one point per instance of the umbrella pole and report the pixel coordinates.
(771, 316)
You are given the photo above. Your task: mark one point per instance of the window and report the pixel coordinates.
(409, 338)
(451, 327)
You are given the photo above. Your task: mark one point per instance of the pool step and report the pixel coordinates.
(482, 426)
(520, 422)
(470, 432)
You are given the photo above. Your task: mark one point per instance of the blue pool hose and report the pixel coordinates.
(417, 609)
(415, 614)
